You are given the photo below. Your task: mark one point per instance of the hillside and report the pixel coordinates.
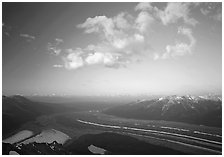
(188, 109)
(17, 110)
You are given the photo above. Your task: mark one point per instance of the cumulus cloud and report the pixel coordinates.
(173, 12)
(143, 21)
(111, 30)
(121, 21)
(73, 60)
(144, 6)
(176, 11)
(125, 39)
(97, 24)
(181, 48)
(95, 58)
(78, 58)
(121, 38)
(188, 32)
(98, 58)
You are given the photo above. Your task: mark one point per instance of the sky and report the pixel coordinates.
(111, 48)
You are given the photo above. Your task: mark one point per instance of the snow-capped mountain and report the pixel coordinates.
(205, 110)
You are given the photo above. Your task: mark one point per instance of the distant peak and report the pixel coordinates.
(19, 98)
(191, 97)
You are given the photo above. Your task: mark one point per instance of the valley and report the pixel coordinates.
(81, 132)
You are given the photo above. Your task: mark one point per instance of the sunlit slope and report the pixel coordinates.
(189, 109)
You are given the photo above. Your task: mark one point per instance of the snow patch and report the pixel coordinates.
(18, 137)
(48, 136)
(13, 153)
(96, 150)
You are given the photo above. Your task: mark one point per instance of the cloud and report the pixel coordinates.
(6, 30)
(73, 60)
(212, 10)
(156, 56)
(180, 48)
(95, 58)
(98, 58)
(121, 38)
(139, 37)
(188, 32)
(121, 21)
(173, 12)
(58, 40)
(204, 11)
(144, 6)
(105, 27)
(176, 11)
(28, 37)
(143, 21)
(112, 31)
(124, 39)
(53, 48)
(97, 24)
(78, 58)
(58, 66)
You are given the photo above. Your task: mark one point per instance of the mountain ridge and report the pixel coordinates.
(188, 109)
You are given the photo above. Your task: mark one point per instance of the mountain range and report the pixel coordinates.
(201, 110)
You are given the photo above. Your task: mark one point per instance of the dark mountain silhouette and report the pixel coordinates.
(188, 109)
(17, 110)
